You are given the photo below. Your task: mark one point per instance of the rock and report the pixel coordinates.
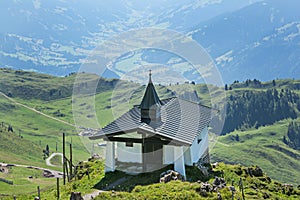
(287, 189)
(170, 175)
(218, 183)
(207, 187)
(215, 165)
(232, 188)
(219, 196)
(76, 196)
(204, 189)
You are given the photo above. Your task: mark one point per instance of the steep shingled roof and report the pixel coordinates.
(181, 121)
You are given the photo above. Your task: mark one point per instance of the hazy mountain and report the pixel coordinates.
(259, 41)
(247, 40)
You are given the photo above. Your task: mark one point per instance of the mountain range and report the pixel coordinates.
(246, 39)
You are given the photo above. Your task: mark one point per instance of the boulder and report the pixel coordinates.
(170, 175)
(218, 183)
(76, 196)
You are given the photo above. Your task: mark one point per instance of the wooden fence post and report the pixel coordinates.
(57, 186)
(71, 160)
(39, 192)
(64, 159)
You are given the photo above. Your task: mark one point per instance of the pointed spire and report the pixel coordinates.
(150, 105)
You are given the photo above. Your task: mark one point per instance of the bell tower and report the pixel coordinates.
(150, 105)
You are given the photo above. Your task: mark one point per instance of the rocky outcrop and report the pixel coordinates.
(205, 188)
(169, 176)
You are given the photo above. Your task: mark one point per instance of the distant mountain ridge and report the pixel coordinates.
(259, 41)
(245, 40)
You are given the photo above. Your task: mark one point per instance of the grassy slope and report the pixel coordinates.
(263, 147)
(29, 84)
(17, 150)
(20, 150)
(85, 185)
(38, 129)
(108, 104)
(22, 182)
(254, 187)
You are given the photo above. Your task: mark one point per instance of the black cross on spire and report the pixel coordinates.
(150, 74)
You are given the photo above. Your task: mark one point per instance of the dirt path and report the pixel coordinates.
(36, 111)
(92, 195)
(109, 187)
(53, 173)
(226, 145)
(48, 160)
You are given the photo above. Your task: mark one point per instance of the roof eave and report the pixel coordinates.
(101, 136)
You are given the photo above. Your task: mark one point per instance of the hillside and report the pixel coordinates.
(255, 183)
(258, 117)
(16, 149)
(31, 85)
(38, 130)
(264, 147)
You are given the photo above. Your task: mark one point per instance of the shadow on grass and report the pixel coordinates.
(120, 181)
(129, 181)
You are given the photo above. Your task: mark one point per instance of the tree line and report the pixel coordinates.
(258, 108)
(292, 138)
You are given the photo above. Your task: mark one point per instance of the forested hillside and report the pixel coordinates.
(252, 104)
(31, 85)
(253, 109)
(292, 138)
(262, 127)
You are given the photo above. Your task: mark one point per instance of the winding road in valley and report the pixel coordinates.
(48, 160)
(54, 173)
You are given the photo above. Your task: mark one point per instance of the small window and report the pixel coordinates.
(129, 144)
(199, 140)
